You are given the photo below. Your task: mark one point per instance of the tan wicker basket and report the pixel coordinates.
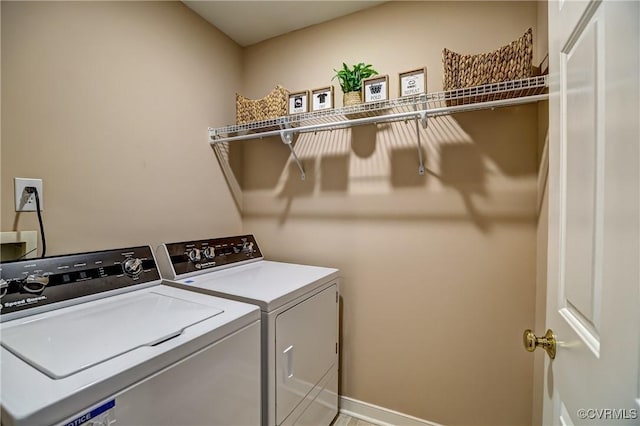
(271, 106)
(510, 62)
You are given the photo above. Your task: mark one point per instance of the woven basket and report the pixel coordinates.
(351, 98)
(510, 62)
(271, 106)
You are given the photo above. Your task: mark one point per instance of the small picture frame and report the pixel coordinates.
(298, 102)
(322, 98)
(412, 82)
(375, 89)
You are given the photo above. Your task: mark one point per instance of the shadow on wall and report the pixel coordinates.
(461, 153)
(462, 169)
(363, 140)
(499, 136)
(334, 173)
(295, 187)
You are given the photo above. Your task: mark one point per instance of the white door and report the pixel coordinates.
(593, 294)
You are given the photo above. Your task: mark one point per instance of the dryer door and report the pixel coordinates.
(306, 348)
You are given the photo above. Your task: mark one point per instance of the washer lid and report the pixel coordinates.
(92, 333)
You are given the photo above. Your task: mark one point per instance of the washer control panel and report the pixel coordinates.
(192, 256)
(30, 283)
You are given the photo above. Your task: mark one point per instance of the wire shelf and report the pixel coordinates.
(425, 105)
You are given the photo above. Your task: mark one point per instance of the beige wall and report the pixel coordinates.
(438, 272)
(109, 103)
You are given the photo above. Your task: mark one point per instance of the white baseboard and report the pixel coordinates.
(379, 415)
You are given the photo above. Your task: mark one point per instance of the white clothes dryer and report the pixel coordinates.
(299, 305)
(95, 338)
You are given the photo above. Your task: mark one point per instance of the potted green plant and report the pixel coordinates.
(351, 81)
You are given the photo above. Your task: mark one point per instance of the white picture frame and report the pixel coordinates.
(375, 89)
(298, 102)
(322, 99)
(411, 83)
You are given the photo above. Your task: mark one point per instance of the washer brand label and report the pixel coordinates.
(92, 414)
(205, 265)
(27, 301)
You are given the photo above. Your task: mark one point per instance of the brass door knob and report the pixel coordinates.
(548, 342)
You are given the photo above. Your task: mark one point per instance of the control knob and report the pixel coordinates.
(247, 247)
(209, 252)
(133, 267)
(194, 255)
(35, 283)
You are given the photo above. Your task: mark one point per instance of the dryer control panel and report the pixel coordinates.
(200, 255)
(35, 283)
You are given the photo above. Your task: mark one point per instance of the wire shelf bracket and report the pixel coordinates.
(286, 134)
(421, 119)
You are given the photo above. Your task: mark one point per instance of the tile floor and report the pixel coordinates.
(344, 420)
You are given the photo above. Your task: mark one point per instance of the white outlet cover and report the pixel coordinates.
(24, 203)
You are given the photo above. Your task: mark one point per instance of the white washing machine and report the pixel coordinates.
(94, 338)
(299, 307)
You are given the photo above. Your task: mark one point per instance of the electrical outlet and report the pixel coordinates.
(26, 202)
